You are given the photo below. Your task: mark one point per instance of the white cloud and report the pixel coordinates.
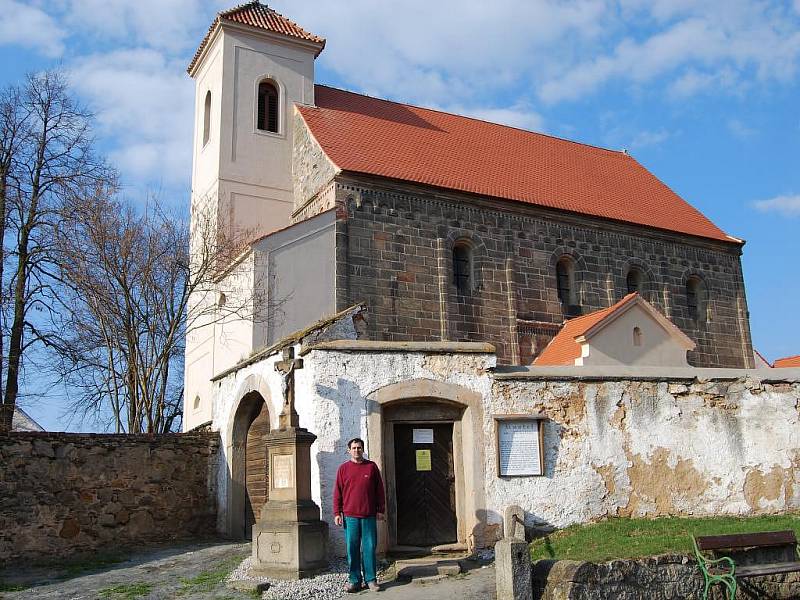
(644, 139)
(788, 206)
(30, 27)
(740, 129)
(514, 116)
(710, 43)
(143, 103)
(163, 24)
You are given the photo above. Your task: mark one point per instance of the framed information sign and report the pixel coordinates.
(519, 446)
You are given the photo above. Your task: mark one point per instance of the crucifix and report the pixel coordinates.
(286, 367)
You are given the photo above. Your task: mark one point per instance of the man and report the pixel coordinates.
(358, 500)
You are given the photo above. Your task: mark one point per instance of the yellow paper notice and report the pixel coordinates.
(423, 460)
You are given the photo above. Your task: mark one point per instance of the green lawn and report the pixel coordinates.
(633, 538)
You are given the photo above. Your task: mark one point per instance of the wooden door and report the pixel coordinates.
(256, 473)
(426, 499)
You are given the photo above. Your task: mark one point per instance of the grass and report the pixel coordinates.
(635, 538)
(206, 581)
(12, 587)
(97, 563)
(129, 591)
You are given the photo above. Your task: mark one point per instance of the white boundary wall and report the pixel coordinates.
(618, 441)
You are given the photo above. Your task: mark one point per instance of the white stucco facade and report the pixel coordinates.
(615, 443)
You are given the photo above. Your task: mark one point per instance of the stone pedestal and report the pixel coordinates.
(289, 540)
(512, 564)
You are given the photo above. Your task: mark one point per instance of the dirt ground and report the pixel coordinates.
(197, 572)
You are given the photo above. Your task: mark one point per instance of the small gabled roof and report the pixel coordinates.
(565, 347)
(378, 137)
(260, 16)
(788, 361)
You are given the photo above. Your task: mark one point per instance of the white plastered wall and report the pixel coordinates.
(242, 174)
(674, 441)
(614, 343)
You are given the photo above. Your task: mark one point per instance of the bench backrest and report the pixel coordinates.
(764, 539)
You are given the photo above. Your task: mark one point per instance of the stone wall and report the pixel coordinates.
(394, 252)
(658, 578)
(67, 494)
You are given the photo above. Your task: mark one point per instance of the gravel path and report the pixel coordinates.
(204, 572)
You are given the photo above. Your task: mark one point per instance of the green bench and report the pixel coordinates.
(726, 558)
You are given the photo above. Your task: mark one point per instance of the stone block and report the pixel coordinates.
(513, 570)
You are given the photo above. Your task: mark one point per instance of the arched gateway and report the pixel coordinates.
(248, 482)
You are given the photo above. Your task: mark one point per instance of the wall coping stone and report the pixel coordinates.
(378, 346)
(637, 373)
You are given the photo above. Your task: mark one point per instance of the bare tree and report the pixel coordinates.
(50, 161)
(130, 277)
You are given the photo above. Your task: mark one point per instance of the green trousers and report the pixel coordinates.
(361, 537)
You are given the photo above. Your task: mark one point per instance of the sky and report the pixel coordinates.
(705, 94)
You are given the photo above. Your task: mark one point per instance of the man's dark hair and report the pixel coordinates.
(353, 441)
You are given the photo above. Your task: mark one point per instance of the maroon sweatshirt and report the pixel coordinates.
(359, 490)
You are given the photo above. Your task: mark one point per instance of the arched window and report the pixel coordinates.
(635, 281)
(462, 267)
(267, 117)
(637, 336)
(207, 118)
(196, 402)
(565, 285)
(696, 301)
(564, 280)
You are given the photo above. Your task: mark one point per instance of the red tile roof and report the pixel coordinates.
(563, 349)
(258, 15)
(390, 139)
(789, 361)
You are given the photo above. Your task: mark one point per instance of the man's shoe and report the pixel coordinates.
(373, 586)
(352, 588)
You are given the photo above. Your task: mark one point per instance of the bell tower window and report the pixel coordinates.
(267, 116)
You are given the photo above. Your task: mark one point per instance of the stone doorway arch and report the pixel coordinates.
(248, 485)
(430, 401)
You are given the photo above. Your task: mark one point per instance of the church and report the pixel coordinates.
(421, 262)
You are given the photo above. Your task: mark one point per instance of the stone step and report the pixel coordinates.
(428, 566)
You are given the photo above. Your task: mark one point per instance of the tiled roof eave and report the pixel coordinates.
(725, 239)
(216, 27)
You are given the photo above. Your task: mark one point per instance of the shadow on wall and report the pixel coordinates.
(346, 408)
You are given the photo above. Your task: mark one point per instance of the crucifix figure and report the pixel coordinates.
(286, 367)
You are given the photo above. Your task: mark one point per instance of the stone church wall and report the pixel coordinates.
(68, 494)
(394, 252)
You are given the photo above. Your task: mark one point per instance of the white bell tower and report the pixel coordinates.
(250, 70)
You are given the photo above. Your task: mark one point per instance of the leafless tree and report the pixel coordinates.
(49, 158)
(130, 277)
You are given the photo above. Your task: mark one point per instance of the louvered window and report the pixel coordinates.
(267, 118)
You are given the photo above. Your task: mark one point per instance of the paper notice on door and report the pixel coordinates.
(423, 436)
(423, 460)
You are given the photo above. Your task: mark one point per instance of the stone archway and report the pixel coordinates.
(247, 488)
(429, 401)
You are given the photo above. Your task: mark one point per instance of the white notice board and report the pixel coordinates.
(519, 447)
(423, 436)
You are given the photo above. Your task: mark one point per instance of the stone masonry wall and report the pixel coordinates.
(394, 252)
(66, 494)
(658, 578)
